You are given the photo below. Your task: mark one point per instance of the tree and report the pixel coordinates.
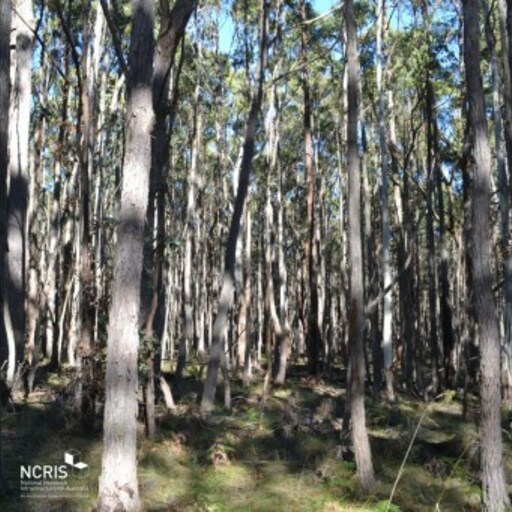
(495, 497)
(387, 342)
(314, 338)
(172, 31)
(6, 338)
(504, 23)
(356, 351)
(18, 200)
(226, 297)
(118, 488)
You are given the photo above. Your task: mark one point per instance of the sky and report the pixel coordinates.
(227, 27)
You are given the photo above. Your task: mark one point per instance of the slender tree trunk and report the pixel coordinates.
(314, 336)
(32, 339)
(52, 273)
(503, 194)
(431, 265)
(286, 341)
(273, 331)
(5, 31)
(387, 309)
(495, 496)
(191, 219)
(172, 29)
(371, 272)
(357, 367)
(431, 247)
(405, 218)
(85, 349)
(6, 347)
(118, 487)
(226, 298)
(245, 324)
(504, 185)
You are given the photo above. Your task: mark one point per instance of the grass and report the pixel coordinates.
(283, 456)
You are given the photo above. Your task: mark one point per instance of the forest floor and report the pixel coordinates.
(281, 455)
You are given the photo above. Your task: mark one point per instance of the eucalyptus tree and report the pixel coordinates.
(356, 328)
(118, 486)
(505, 29)
(18, 199)
(502, 184)
(313, 340)
(387, 312)
(6, 337)
(217, 357)
(173, 23)
(495, 495)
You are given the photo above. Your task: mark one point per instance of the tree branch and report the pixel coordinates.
(115, 40)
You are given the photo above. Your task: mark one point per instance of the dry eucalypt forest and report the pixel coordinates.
(255, 255)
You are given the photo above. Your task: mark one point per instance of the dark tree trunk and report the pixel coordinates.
(85, 352)
(314, 336)
(226, 297)
(5, 31)
(505, 22)
(356, 323)
(172, 31)
(431, 248)
(5, 59)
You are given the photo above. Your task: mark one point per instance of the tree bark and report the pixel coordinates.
(387, 307)
(19, 172)
(172, 30)
(314, 336)
(118, 487)
(431, 247)
(5, 87)
(356, 323)
(505, 13)
(191, 219)
(495, 496)
(35, 303)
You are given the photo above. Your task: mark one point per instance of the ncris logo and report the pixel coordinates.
(72, 463)
(44, 472)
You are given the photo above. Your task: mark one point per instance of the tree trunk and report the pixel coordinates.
(226, 297)
(191, 219)
(285, 341)
(387, 308)
(6, 347)
(19, 172)
(357, 367)
(430, 189)
(495, 497)
(118, 487)
(244, 322)
(314, 336)
(52, 272)
(85, 349)
(504, 182)
(172, 30)
(32, 338)
(504, 197)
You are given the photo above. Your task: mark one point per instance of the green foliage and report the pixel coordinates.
(385, 506)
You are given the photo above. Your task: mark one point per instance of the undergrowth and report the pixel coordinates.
(284, 455)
